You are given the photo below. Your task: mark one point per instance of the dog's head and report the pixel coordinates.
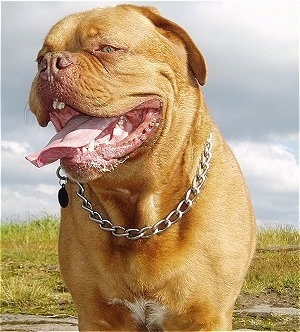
(106, 80)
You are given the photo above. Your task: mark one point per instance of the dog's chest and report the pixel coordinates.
(148, 313)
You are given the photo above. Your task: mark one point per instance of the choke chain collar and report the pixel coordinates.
(148, 231)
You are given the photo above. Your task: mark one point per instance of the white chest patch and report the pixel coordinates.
(149, 313)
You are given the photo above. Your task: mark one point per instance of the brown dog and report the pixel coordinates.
(121, 86)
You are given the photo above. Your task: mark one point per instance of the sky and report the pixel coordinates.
(251, 48)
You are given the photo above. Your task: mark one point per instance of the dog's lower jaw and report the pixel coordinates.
(91, 171)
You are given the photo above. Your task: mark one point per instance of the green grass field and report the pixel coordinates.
(31, 280)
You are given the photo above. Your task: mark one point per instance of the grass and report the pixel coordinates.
(273, 279)
(275, 271)
(31, 281)
(278, 235)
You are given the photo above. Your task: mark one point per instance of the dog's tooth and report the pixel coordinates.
(61, 105)
(84, 149)
(91, 146)
(117, 130)
(55, 103)
(58, 105)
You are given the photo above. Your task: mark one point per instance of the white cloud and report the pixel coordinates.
(25, 201)
(16, 169)
(272, 166)
(14, 147)
(26, 190)
(46, 189)
(272, 173)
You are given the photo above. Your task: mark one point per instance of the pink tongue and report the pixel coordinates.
(78, 132)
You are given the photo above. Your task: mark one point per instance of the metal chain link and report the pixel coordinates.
(162, 225)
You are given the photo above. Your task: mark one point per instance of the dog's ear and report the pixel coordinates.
(195, 58)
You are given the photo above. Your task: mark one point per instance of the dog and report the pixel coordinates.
(157, 228)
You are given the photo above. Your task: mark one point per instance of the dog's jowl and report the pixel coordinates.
(157, 229)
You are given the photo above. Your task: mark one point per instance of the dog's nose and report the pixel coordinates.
(53, 63)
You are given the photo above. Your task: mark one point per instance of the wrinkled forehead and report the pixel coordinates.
(119, 26)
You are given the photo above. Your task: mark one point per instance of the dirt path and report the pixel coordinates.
(32, 323)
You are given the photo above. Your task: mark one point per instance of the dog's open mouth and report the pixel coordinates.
(97, 142)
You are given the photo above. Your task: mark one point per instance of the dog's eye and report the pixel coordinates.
(107, 49)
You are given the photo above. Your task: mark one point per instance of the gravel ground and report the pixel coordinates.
(32, 323)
